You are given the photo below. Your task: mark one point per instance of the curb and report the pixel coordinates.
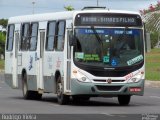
(153, 84)
(1, 71)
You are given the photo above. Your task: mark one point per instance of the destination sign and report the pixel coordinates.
(87, 19)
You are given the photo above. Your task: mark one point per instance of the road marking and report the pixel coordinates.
(155, 97)
(55, 104)
(137, 104)
(107, 114)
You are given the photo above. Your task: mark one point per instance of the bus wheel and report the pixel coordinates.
(27, 94)
(62, 99)
(124, 99)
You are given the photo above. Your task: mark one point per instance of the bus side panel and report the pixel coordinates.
(9, 79)
(27, 62)
(53, 61)
(49, 72)
(49, 84)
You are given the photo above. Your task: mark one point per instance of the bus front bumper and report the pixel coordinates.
(105, 89)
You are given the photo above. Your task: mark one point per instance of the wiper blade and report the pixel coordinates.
(98, 39)
(96, 34)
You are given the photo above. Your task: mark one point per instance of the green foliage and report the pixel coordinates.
(152, 26)
(2, 43)
(1, 64)
(152, 22)
(68, 8)
(154, 38)
(4, 22)
(153, 65)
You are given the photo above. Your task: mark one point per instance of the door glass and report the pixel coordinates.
(42, 37)
(16, 43)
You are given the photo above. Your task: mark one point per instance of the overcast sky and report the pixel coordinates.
(10, 8)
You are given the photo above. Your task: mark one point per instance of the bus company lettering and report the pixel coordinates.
(58, 63)
(129, 76)
(92, 32)
(50, 62)
(31, 63)
(91, 57)
(135, 60)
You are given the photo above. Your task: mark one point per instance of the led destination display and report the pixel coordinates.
(107, 20)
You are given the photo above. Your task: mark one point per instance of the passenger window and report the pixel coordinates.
(60, 36)
(50, 36)
(34, 34)
(25, 36)
(10, 38)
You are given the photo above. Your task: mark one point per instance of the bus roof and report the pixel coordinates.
(60, 15)
(109, 11)
(41, 17)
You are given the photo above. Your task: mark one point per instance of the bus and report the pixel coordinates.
(76, 54)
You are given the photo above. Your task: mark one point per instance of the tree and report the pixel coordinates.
(154, 38)
(68, 8)
(4, 22)
(2, 43)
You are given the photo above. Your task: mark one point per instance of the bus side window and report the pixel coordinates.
(51, 28)
(25, 36)
(60, 36)
(34, 34)
(10, 38)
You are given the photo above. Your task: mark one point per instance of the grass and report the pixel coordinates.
(1, 64)
(153, 65)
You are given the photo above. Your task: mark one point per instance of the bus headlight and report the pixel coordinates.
(81, 77)
(135, 79)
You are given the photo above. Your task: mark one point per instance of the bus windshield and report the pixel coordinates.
(108, 47)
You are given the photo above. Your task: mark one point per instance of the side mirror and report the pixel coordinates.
(71, 39)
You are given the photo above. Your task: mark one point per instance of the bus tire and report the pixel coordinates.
(62, 99)
(27, 94)
(124, 99)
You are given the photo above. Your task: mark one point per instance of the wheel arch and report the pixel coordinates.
(57, 74)
(23, 73)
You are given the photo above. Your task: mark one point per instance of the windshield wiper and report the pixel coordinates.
(98, 39)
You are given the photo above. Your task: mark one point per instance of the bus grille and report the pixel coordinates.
(113, 81)
(108, 88)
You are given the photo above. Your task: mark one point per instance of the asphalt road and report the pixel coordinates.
(11, 101)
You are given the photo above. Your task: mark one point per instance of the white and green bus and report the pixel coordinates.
(77, 54)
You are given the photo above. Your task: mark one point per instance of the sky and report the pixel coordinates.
(9, 8)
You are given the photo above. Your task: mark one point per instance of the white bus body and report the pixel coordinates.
(39, 58)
